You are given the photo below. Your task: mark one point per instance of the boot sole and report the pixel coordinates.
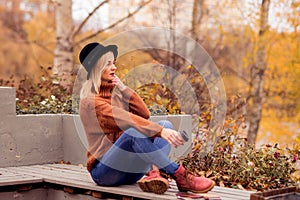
(197, 191)
(156, 186)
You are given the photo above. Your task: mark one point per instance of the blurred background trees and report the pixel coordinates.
(255, 45)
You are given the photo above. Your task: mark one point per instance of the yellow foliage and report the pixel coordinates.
(129, 61)
(281, 119)
(278, 130)
(25, 56)
(41, 36)
(282, 76)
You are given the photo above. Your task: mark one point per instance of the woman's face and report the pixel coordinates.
(109, 71)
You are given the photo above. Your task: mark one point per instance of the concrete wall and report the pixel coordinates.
(44, 194)
(27, 139)
(48, 138)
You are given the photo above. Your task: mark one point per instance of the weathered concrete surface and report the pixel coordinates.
(74, 142)
(7, 102)
(27, 139)
(61, 195)
(31, 139)
(39, 138)
(36, 194)
(49, 138)
(43, 194)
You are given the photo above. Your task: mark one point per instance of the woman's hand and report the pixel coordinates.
(118, 83)
(172, 136)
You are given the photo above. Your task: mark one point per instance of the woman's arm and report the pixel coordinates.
(118, 118)
(132, 100)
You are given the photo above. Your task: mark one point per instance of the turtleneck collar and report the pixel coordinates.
(106, 90)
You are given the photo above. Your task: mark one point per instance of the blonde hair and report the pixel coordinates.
(91, 86)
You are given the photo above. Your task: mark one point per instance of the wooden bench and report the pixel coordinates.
(76, 179)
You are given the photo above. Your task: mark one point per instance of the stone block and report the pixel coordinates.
(7, 102)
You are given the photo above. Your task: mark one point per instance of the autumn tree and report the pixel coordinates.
(66, 33)
(63, 53)
(199, 11)
(280, 115)
(257, 74)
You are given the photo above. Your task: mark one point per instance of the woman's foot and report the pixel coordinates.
(188, 182)
(154, 182)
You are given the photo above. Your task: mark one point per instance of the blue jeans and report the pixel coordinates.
(131, 156)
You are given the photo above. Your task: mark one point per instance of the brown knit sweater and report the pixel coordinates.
(106, 116)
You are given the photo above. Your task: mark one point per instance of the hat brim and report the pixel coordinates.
(113, 48)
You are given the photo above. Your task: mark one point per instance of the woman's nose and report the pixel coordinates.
(114, 67)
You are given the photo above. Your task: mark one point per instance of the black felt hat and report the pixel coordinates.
(91, 52)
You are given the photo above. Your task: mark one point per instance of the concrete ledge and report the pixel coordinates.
(49, 138)
(7, 102)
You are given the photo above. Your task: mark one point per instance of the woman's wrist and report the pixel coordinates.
(121, 86)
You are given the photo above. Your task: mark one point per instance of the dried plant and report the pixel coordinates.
(231, 162)
(42, 96)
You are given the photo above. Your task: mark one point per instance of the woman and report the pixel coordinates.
(122, 142)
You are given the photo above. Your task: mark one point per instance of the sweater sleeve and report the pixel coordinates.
(118, 117)
(135, 103)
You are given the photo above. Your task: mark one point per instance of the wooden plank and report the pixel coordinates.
(4, 178)
(226, 193)
(172, 191)
(6, 173)
(47, 173)
(78, 177)
(18, 180)
(231, 193)
(50, 171)
(58, 172)
(127, 190)
(53, 176)
(231, 190)
(68, 167)
(70, 171)
(8, 178)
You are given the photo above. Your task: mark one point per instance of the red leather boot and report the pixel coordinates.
(154, 182)
(188, 182)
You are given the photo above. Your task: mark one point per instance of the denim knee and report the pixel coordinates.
(132, 132)
(166, 124)
(163, 145)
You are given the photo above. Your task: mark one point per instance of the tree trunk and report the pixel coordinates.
(257, 75)
(63, 59)
(199, 11)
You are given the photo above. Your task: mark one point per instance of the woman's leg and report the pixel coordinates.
(107, 176)
(119, 165)
(131, 157)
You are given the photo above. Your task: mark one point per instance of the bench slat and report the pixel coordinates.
(50, 173)
(78, 177)
(8, 178)
(68, 167)
(53, 175)
(20, 180)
